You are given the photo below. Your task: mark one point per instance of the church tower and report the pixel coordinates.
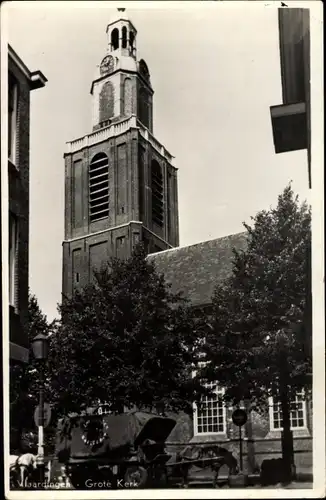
(120, 182)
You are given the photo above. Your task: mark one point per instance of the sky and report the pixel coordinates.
(215, 70)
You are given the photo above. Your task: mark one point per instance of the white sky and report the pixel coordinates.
(215, 71)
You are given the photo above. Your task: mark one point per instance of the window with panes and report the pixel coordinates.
(157, 194)
(298, 416)
(210, 416)
(99, 187)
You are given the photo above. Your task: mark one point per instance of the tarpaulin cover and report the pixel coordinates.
(123, 433)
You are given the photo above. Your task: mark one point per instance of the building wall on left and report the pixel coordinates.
(20, 83)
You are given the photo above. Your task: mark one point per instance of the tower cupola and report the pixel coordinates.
(121, 35)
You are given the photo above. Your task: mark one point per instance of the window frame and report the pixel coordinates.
(100, 199)
(195, 413)
(144, 107)
(271, 404)
(157, 194)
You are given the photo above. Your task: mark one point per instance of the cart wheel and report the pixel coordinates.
(135, 477)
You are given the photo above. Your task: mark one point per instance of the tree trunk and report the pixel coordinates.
(287, 435)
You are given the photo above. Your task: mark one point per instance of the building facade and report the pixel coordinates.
(194, 270)
(120, 182)
(21, 81)
(291, 119)
(121, 188)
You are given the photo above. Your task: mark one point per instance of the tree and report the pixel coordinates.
(24, 379)
(257, 342)
(125, 339)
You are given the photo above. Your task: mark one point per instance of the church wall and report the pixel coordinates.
(134, 177)
(77, 193)
(122, 152)
(144, 148)
(122, 198)
(259, 442)
(122, 155)
(142, 162)
(84, 254)
(122, 98)
(68, 196)
(175, 226)
(169, 232)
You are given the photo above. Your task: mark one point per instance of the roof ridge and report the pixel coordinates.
(196, 244)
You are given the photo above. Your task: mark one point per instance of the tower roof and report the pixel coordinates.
(120, 15)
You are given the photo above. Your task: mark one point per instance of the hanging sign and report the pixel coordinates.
(239, 417)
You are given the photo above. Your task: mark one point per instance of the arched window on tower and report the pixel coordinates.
(99, 187)
(124, 37)
(115, 39)
(143, 107)
(131, 39)
(157, 193)
(106, 102)
(127, 97)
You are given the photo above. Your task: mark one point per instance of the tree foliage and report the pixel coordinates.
(126, 339)
(258, 312)
(24, 378)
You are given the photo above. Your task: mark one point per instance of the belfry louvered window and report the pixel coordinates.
(157, 194)
(99, 187)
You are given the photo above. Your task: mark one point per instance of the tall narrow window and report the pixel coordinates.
(298, 415)
(168, 201)
(124, 37)
(127, 96)
(210, 417)
(131, 39)
(12, 258)
(157, 194)
(120, 242)
(76, 262)
(141, 184)
(115, 39)
(12, 116)
(143, 107)
(106, 102)
(99, 187)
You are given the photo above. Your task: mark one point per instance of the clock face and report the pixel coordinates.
(107, 65)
